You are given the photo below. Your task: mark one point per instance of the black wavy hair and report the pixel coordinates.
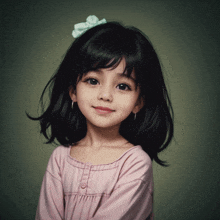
(153, 127)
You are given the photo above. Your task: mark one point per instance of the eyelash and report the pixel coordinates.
(96, 81)
(89, 80)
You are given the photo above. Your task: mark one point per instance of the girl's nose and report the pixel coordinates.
(105, 94)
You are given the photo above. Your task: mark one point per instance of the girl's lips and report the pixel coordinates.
(103, 110)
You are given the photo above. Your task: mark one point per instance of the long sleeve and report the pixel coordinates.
(51, 201)
(132, 199)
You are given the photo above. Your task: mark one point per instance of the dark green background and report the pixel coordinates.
(34, 36)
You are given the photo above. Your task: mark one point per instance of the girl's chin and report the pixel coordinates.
(103, 125)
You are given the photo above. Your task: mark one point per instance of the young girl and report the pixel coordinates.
(110, 112)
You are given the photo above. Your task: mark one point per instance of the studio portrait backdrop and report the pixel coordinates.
(35, 35)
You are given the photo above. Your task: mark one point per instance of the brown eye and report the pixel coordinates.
(92, 81)
(123, 86)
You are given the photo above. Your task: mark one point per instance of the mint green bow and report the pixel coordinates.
(82, 27)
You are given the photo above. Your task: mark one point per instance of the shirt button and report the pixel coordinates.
(83, 186)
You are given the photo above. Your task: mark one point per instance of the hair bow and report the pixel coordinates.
(82, 27)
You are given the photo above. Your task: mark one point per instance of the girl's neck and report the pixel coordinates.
(97, 137)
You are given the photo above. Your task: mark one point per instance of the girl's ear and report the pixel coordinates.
(139, 105)
(72, 94)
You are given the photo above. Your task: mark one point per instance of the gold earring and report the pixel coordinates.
(72, 104)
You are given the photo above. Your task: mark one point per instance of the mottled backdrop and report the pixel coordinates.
(34, 37)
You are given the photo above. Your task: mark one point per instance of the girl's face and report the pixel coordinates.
(106, 97)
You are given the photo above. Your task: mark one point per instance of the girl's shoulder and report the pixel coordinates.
(137, 154)
(57, 161)
(60, 151)
(58, 154)
(136, 165)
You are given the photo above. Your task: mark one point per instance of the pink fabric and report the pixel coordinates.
(72, 190)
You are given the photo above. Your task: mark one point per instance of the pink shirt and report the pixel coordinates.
(73, 190)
